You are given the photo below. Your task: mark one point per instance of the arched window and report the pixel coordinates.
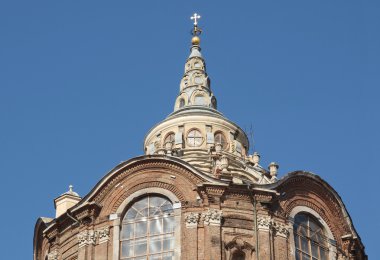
(181, 103)
(309, 237)
(169, 140)
(147, 230)
(221, 139)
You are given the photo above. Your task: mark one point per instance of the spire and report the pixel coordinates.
(195, 89)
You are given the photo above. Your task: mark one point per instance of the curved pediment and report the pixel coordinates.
(151, 167)
(305, 189)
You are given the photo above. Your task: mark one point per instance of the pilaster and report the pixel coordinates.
(212, 219)
(191, 235)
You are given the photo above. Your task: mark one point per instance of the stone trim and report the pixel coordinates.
(103, 234)
(212, 217)
(53, 255)
(87, 237)
(192, 219)
(267, 223)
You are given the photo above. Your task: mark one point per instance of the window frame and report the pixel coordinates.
(306, 235)
(168, 141)
(201, 137)
(227, 144)
(117, 218)
(331, 243)
(147, 221)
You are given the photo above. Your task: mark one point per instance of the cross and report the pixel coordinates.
(195, 17)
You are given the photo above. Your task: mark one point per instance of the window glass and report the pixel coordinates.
(147, 230)
(199, 100)
(309, 238)
(169, 139)
(194, 138)
(221, 139)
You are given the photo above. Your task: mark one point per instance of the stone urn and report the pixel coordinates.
(256, 158)
(224, 163)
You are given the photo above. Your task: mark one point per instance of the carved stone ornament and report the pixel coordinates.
(264, 223)
(238, 244)
(87, 237)
(53, 255)
(103, 234)
(281, 229)
(192, 219)
(212, 217)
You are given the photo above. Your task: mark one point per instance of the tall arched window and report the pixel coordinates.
(147, 230)
(181, 103)
(309, 237)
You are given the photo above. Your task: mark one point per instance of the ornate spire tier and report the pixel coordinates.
(195, 86)
(198, 133)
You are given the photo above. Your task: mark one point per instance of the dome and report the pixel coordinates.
(199, 134)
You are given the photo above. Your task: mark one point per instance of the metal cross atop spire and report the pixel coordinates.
(196, 31)
(195, 17)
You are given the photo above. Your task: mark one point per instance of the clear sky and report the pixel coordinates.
(81, 82)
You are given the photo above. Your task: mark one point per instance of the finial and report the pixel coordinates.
(195, 31)
(70, 188)
(273, 168)
(195, 17)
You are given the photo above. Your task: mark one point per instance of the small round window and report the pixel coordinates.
(221, 139)
(194, 138)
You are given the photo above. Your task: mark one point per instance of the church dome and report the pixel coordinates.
(197, 132)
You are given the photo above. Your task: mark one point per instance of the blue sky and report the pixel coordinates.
(81, 82)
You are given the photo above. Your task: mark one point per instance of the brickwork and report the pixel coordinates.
(217, 219)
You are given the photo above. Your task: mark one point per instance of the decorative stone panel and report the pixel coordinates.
(266, 223)
(280, 229)
(212, 217)
(53, 255)
(87, 237)
(103, 234)
(192, 219)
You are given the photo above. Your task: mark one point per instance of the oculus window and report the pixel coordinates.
(194, 138)
(147, 230)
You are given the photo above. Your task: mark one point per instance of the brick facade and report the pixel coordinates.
(216, 219)
(224, 204)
